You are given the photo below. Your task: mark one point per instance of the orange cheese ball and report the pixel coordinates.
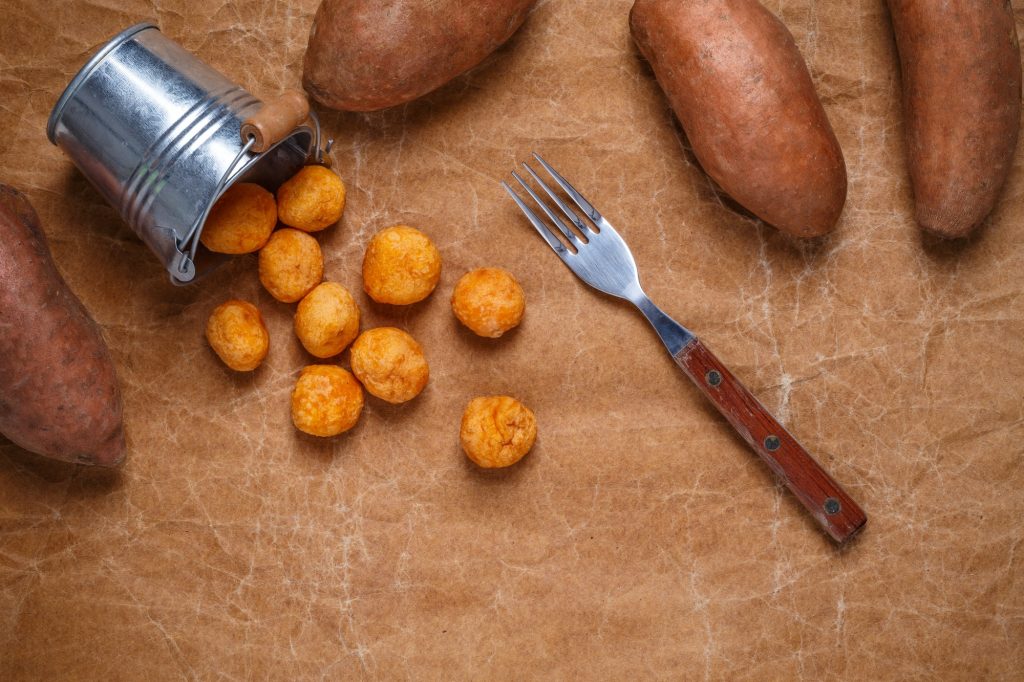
(390, 364)
(241, 221)
(326, 401)
(314, 198)
(237, 335)
(489, 301)
(291, 264)
(401, 266)
(497, 431)
(327, 320)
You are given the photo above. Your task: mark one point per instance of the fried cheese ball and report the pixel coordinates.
(314, 198)
(291, 264)
(390, 364)
(489, 301)
(237, 335)
(327, 320)
(241, 221)
(401, 266)
(497, 431)
(326, 401)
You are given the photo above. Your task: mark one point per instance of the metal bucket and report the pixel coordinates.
(157, 131)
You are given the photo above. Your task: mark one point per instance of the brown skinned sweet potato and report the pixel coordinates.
(736, 81)
(960, 62)
(58, 390)
(365, 55)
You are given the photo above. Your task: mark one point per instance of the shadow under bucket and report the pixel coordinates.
(159, 133)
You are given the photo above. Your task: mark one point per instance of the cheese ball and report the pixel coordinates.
(401, 266)
(241, 221)
(327, 320)
(312, 199)
(497, 431)
(489, 301)
(390, 364)
(237, 335)
(290, 265)
(326, 401)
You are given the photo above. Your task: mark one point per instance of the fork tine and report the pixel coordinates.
(562, 227)
(584, 205)
(569, 213)
(537, 223)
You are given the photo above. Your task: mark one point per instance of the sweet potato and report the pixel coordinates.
(736, 81)
(365, 55)
(59, 395)
(961, 100)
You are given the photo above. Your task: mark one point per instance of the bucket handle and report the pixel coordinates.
(184, 269)
(273, 122)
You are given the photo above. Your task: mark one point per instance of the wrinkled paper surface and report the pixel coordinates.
(640, 537)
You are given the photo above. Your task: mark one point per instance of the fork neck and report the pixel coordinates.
(674, 335)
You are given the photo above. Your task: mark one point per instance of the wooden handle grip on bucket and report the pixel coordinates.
(275, 120)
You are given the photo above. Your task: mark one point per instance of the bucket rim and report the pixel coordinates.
(86, 71)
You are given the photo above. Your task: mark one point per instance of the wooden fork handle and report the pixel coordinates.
(828, 503)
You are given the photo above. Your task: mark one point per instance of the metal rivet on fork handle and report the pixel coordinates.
(832, 506)
(772, 443)
(714, 378)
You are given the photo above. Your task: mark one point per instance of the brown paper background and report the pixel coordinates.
(640, 538)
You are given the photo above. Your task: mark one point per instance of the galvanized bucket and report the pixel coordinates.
(160, 135)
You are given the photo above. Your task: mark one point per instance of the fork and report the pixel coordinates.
(600, 257)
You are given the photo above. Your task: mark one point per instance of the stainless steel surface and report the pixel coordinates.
(156, 130)
(596, 253)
